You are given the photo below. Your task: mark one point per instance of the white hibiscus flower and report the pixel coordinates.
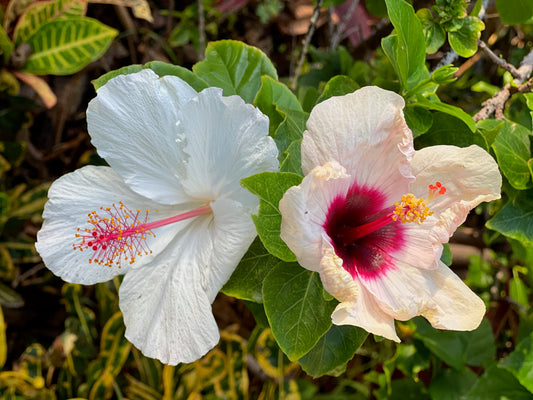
(169, 212)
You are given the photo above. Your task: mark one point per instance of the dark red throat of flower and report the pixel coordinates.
(366, 234)
(118, 234)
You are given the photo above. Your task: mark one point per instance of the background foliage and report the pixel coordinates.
(464, 70)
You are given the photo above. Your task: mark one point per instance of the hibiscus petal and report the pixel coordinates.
(71, 198)
(366, 133)
(227, 140)
(233, 232)
(132, 123)
(304, 209)
(470, 176)
(367, 314)
(166, 310)
(439, 295)
(166, 304)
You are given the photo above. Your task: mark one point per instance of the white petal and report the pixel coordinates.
(232, 233)
(304, 209)
(470, 176)
(71, 198)
(366, 133)
(367, 314)
(227, 140)
(132, 123)
(166, 304)
(455, 306)
(439, 295)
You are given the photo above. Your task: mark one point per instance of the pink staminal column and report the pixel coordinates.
(120, 234)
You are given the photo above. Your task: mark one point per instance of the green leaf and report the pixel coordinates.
(333, 351)
(489, 129)
(160, 68)
(458, 349)
(447, 129)
(234, 67)
(419, 119)
(275, 100)
(433, 32)
(520, 362)
(515, 219)
(295, 308)
(270, 187)
(338, 86)
(41, 12)
(451, 384)
(514, 11)
(464, 40)
(456, 112)
(290, 130)
(246, 282)
(410, 53)
(292, 162)
(498, 384)
(163, 69)
(64, 46)
(512, 149)
(6, 45)
(377, 8)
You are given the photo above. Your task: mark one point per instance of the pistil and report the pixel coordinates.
(120, 235)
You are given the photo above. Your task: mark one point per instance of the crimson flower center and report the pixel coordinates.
(366, 233)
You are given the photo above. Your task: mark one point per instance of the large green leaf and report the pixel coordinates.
(292, 161)
(456, 112)
(339, 85)
(234, 67)
(296, 309)
(451, 384)
(41, 12)
(333, 351)
(246, 282)
(408, 47)
(514, 11)
(270, 187)
(458, 349)
(512, 149)
(433, 32)
(498, 384)
(515, 219)
(520, 362)
(275, 100)
(64, 46)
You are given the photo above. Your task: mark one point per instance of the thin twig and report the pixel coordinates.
(201, 29)
(170, 17)
(337, 37)
(497, 102)
(497, 60)
(305, 48)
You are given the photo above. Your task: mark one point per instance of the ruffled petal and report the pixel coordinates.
(132, 123)
(367, 314)
(166, 310)
(455, 306)
(227, 140)
(304, 209)
(167, 303)
(470, 176)
(439, 295)
(71, 198)
(366, 133)
(336, 280)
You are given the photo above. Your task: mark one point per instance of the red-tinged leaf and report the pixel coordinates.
(40, 86)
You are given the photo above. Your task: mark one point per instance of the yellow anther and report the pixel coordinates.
(411, 209)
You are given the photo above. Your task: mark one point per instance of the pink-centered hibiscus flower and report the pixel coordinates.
(168, 212)
(371, 214)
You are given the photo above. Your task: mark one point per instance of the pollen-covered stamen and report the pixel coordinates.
(411, 209)
(119, 234)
